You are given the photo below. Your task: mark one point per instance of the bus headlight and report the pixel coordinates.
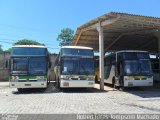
(91, 78)
(66, 84)
(125, 78)
(65, 77)
(150, 77)
(90, 83)
(129, 78)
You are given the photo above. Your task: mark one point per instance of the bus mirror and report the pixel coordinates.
(7, 64)
(58, 64)
(50, 64)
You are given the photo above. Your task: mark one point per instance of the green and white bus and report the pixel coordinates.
(127, 69)
(75, 67)
(29, 67)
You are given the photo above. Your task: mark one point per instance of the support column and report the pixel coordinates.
(158, 37)
(101, 57)
(157, 34)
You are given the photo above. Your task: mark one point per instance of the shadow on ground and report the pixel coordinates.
(52, 88)
(82, 90)
(144, 92)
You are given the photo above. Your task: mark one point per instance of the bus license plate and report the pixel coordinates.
(65, 84)
(130, 84)
(27, 84)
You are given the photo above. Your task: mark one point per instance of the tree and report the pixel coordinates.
(65, 37)
(8, 50)
(1, 50)
(27, 42)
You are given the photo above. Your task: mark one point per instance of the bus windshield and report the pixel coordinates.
(70, 66)
(37, 65)
(76, 52)
(76, 66)
(135, 55)
(19, 64)
(28, 51)
(135, 67)
(32, 65)
(86, 66)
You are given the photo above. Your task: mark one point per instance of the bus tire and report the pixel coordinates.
(113, 82)
(96, 80)
(122, 88)
(48, 80)
(55, 78)
(58, 83)
(20, 90)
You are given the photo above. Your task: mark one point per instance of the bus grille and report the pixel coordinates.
(74, 78)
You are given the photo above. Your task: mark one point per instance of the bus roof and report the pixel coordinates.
(130, 51)
(29, 46)
(77, 47)
(122, 51)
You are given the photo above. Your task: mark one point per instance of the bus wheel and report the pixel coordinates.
(96, 80)
(55, 79)
(122, 88)
(58, 83)
(113, 82)
(20, 89)
(48, 81)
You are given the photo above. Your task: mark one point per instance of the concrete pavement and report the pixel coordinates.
(4, 84)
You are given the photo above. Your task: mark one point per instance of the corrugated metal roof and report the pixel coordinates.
(111, 14)
(121, 26)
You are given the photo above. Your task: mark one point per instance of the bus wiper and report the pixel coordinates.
(71, 72)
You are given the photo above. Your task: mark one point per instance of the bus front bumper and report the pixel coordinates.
(76, 84)
(138, 83)
(28, 84)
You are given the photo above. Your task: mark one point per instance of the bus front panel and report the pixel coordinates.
(28, 81)
(77, 81)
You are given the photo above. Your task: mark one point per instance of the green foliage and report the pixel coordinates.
(27, 42)
(8, 50)
(1, 50)
(65, 37)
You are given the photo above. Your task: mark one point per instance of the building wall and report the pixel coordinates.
(4, 72)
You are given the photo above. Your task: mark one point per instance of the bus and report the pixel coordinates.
(75, 67)
(29, 67)
(155, 69)
(127, 69)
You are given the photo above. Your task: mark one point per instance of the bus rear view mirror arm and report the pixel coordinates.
(7, 64)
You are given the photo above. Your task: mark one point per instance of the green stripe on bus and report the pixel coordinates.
(28, 77)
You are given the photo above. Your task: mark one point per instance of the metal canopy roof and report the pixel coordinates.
(121, 32)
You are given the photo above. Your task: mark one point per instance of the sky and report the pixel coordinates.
(42, 20)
